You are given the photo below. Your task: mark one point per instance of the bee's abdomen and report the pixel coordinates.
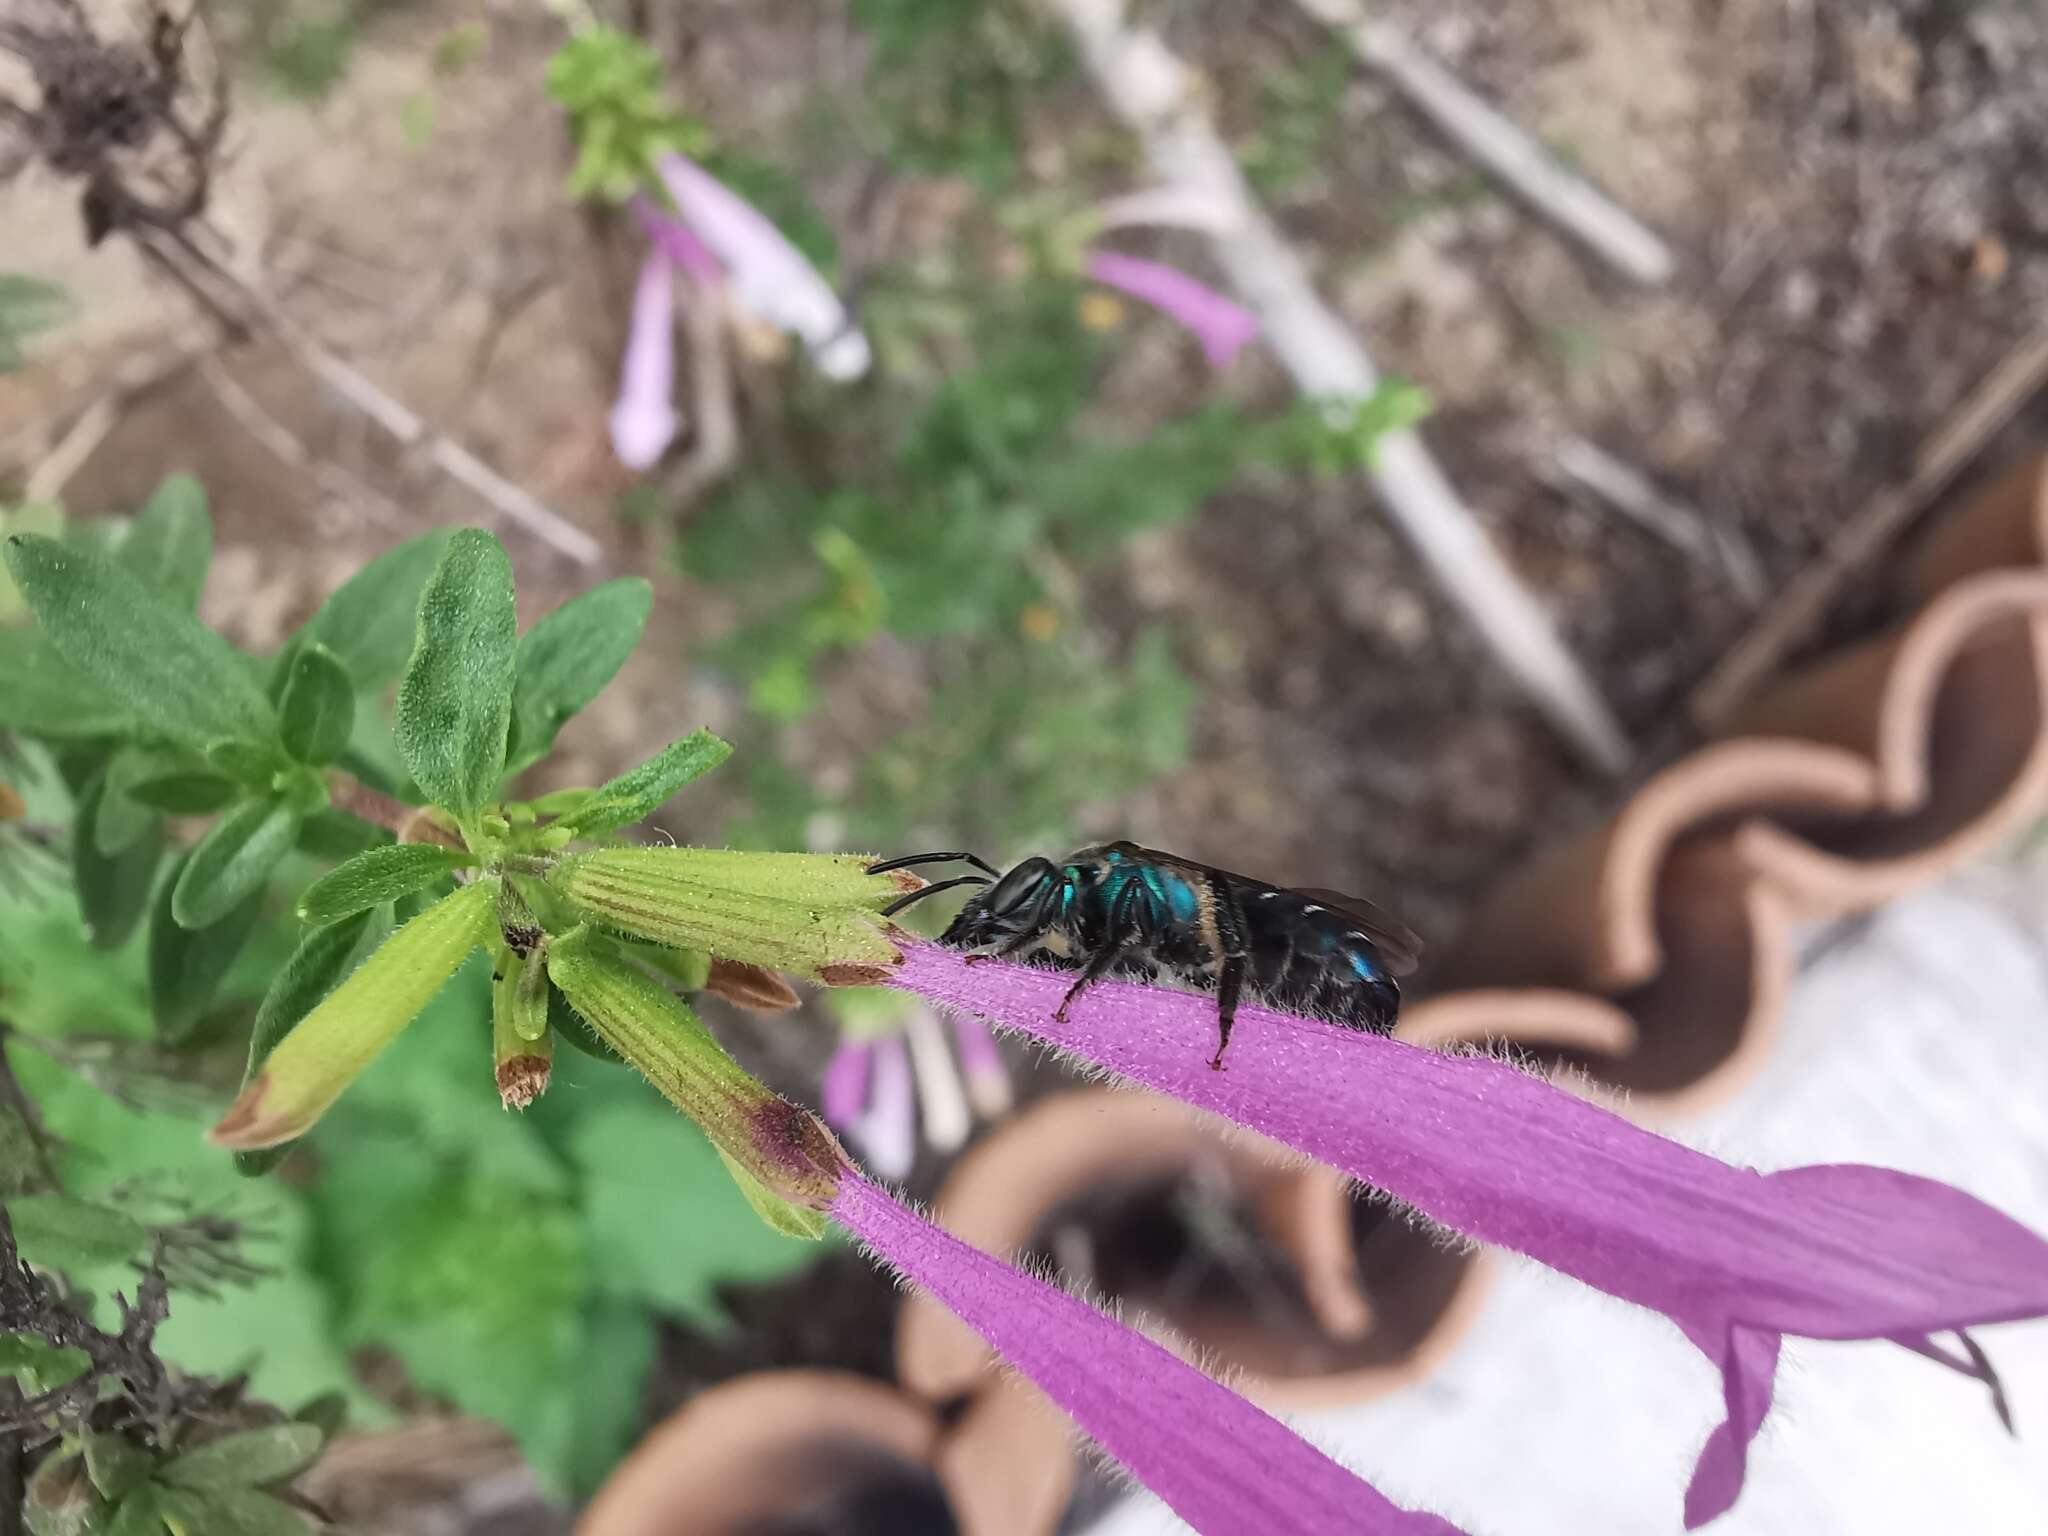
(1307, 959)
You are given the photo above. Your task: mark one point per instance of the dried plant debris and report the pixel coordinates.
(138, 119)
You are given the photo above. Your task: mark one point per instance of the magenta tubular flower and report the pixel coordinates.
(1221, 325)
(771, 279)
(643, 420)
(1736, 1258)
(1223, 1465)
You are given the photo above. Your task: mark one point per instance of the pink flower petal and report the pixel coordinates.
(1224, 1466)
(887, 1132)
(771, 279)
(988, 1080)
(643, 419)
(1748, 1359)
(1832, 1252)
(678, 242)
(1222, 325)
(843, 1092)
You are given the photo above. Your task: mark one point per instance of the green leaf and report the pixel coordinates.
(59, 1232)
(38, 1367)
(317, 711)
(171, 671)
(116, 1464)
(375, 876)
(607, 1391)
(170, 543)
(233, 861)
(164, 779)
(188, 965)
(222, 1512)
(120, 821)
(643, 790)
(327, 1413)
(199, 793)
(140, 1514)
(112, 892)
(331, 835)
(455, 704)
(249, 1459)
(368, 620)
(47, 696)
(567, 658)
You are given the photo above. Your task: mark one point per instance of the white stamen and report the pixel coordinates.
(941, 1096)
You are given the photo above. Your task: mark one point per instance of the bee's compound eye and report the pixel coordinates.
(1019, 888)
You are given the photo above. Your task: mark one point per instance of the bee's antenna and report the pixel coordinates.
(931, 890)
(910, 860)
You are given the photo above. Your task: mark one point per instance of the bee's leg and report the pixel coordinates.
(1228, 986)
(1236, 958)
(1122, 922)
(1015, 944)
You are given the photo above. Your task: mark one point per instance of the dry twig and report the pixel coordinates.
(1515, 159)
(1150, 89)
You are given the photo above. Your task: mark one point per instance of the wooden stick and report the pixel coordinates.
(1632, 493)
(1515, 159)
(1149, 88)
(1801, 607)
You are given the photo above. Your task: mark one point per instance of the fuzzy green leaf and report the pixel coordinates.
(120, 820)
(567, 658)
(112, 892)
(374, 876)
(455, 704)
(38, 1367)
(230, 1512)
(60, 1232)
(249, 1459)
(138, 1515)
(47, 696)
(317, 711)
(187, 965)
(642, 791)
(171, 671)
(368, 620)
(170, 543)
(316, 968)
(164, 779)
(116, 1464)
(233, 861)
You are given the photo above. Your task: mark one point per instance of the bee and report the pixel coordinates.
(1115, 909)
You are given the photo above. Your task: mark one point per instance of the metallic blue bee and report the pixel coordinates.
(1115, 909)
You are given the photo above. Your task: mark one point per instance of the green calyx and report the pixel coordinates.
(787, 1155)
(815, 914)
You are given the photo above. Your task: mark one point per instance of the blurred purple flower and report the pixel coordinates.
(678, 242)
(981, 1062)
(880, 1088)
(771, 279)
(1220, 1463)
(1736, 1258)
(1222, 325)
(643, 419)
(843, 1092)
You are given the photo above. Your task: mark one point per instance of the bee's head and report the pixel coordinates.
(1021, 901)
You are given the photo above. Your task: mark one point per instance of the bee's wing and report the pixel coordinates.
(1397, 944)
